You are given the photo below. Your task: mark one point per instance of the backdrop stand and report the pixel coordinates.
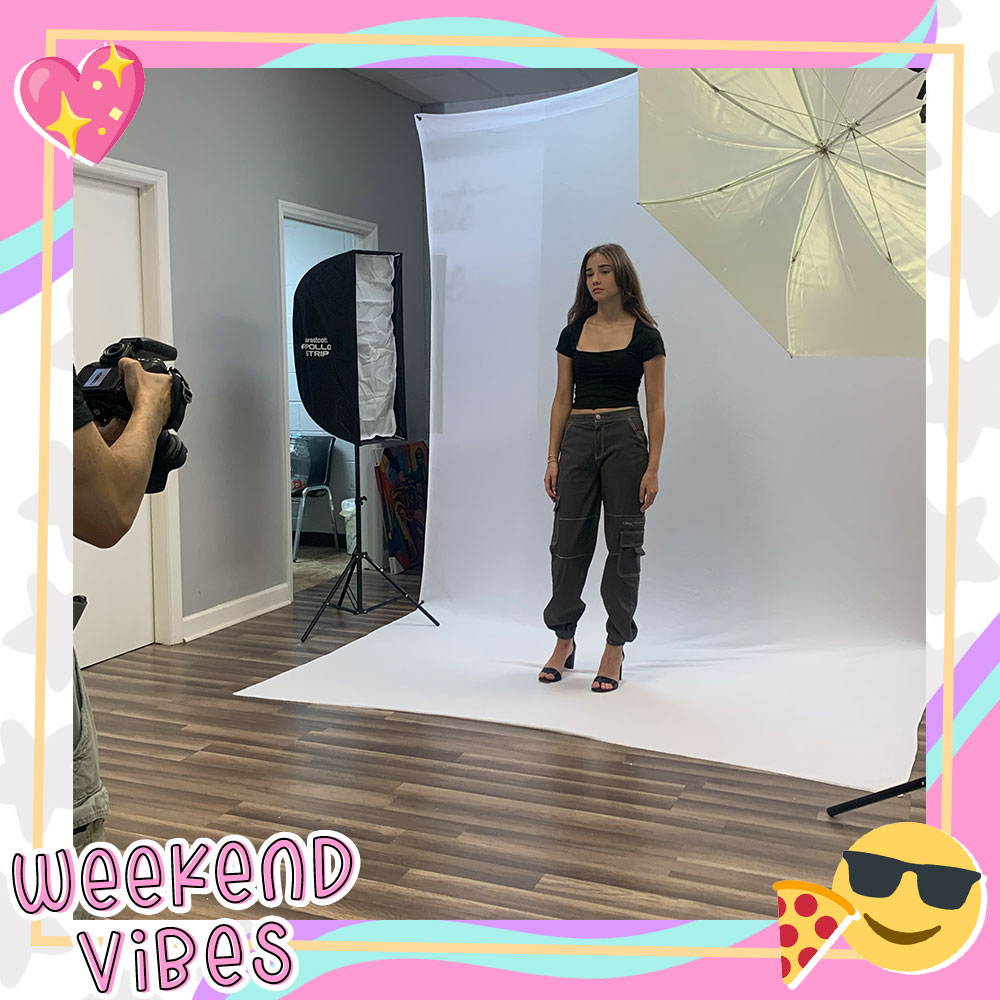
(873, 797)
(359, 557)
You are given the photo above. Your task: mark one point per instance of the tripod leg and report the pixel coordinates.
(351, 566)
(419, 606)
(327, 599)
(402, 593)
(881, 796)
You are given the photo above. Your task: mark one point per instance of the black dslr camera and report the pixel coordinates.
(104, 391)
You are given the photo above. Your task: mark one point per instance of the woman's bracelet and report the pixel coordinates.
(553, 458)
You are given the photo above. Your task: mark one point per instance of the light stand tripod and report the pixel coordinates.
(873, 797)
(358, 557)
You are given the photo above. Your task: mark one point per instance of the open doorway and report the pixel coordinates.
(318, 539)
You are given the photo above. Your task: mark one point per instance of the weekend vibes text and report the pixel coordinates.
(149, 879)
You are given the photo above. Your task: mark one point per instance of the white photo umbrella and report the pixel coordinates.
(801, 191)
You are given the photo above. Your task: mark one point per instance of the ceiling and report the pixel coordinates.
(439, 90)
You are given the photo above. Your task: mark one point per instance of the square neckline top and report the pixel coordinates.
(611, 378)
(614, 350)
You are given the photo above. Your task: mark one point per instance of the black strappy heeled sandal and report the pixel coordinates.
(556, 675)
(604, 679)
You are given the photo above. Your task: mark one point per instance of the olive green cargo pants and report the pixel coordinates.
(602, 460)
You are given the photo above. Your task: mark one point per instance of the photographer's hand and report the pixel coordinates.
(147, 389)
(110, 482)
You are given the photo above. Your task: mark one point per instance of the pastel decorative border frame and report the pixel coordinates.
(444, 42)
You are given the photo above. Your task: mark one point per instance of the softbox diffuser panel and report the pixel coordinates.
(348, 336)
(376, 347)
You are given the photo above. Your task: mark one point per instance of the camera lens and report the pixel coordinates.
(170, 454)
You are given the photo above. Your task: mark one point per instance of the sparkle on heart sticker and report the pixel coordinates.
(82, 111)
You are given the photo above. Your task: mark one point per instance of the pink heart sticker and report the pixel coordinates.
(82, 111)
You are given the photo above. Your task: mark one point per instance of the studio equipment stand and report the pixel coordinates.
(885, 793)
(359, 557)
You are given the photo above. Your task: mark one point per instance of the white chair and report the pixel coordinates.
(317, 484)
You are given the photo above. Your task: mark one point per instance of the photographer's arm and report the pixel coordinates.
(110, 482)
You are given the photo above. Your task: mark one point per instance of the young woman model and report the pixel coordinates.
(599, 455)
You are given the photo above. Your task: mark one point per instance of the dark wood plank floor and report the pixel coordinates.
(454, 819)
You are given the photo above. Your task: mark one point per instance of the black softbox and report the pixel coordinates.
(347, 328)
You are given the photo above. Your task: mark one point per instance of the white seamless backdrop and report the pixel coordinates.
(781, 608)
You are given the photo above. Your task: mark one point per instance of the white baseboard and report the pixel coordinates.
(234, 612)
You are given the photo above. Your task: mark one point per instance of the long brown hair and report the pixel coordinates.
(625, 278)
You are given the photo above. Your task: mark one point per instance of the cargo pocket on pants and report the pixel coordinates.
(630, 538)
(637, 431)
(554, 542)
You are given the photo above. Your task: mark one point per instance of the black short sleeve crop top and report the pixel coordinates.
(609, 378)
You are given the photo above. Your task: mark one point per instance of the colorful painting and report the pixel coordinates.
(402, 484)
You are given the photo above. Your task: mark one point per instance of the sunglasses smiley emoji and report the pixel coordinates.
(921, 897)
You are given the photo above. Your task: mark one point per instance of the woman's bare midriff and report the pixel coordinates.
(605, 409)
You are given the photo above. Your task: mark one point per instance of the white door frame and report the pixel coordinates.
(154, 254)
(368, 240)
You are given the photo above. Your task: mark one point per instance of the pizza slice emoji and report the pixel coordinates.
(810, 918)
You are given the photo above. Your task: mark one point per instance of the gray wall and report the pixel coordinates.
(234, 142)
